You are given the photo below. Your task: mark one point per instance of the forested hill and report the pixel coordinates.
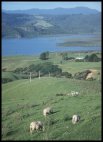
(55, 11)
(23, 25)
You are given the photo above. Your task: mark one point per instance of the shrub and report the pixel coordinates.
(44, 68)
(67, 75)
(92, 58)
(65, 56)
(18, 70)
(81, 75)
(6, 80)
(86, 58)
(44, 55)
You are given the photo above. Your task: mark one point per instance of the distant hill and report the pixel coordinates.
(23, 25)
(56, 11)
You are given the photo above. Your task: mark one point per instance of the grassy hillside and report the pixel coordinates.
(13, 62)
(10, 75)
(23, 102)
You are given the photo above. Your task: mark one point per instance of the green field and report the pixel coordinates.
(13, 62)
(23, 101)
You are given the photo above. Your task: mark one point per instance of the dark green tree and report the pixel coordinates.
(92, 58)
(86, 58)
(44, 56)
(65, 56)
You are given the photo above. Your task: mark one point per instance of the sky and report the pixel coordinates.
(48, 5)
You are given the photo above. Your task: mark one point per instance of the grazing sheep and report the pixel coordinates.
(32, 126)
(76, 93)
(36, 125)
(68, 94)
(47, 111)
(75, 119)
(39, 125)
(73, 93)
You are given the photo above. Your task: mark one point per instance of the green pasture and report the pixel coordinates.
(13, 62)
(23, 101)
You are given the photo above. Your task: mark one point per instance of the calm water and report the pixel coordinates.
(38, 45)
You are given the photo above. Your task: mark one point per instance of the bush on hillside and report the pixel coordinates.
(44, 68)
(64, 55)
(67, 75)
(18, 70)
(6, 80)
(44, 55)
(81, 75)
(92, 58)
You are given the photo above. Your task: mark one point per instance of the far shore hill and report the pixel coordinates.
(40, 22)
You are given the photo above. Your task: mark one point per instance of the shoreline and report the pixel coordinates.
(90, 51)
(52, 35)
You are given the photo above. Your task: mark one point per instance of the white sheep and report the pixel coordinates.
(47, 111)
(76, 93)
(68, 94)
(73, 93)
(36, 125)
(75, 119)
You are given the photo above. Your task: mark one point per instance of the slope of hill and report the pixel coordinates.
(23, 102)
(10, 76)
(22, 25)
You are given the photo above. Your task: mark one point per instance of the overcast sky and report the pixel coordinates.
(49, 5)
